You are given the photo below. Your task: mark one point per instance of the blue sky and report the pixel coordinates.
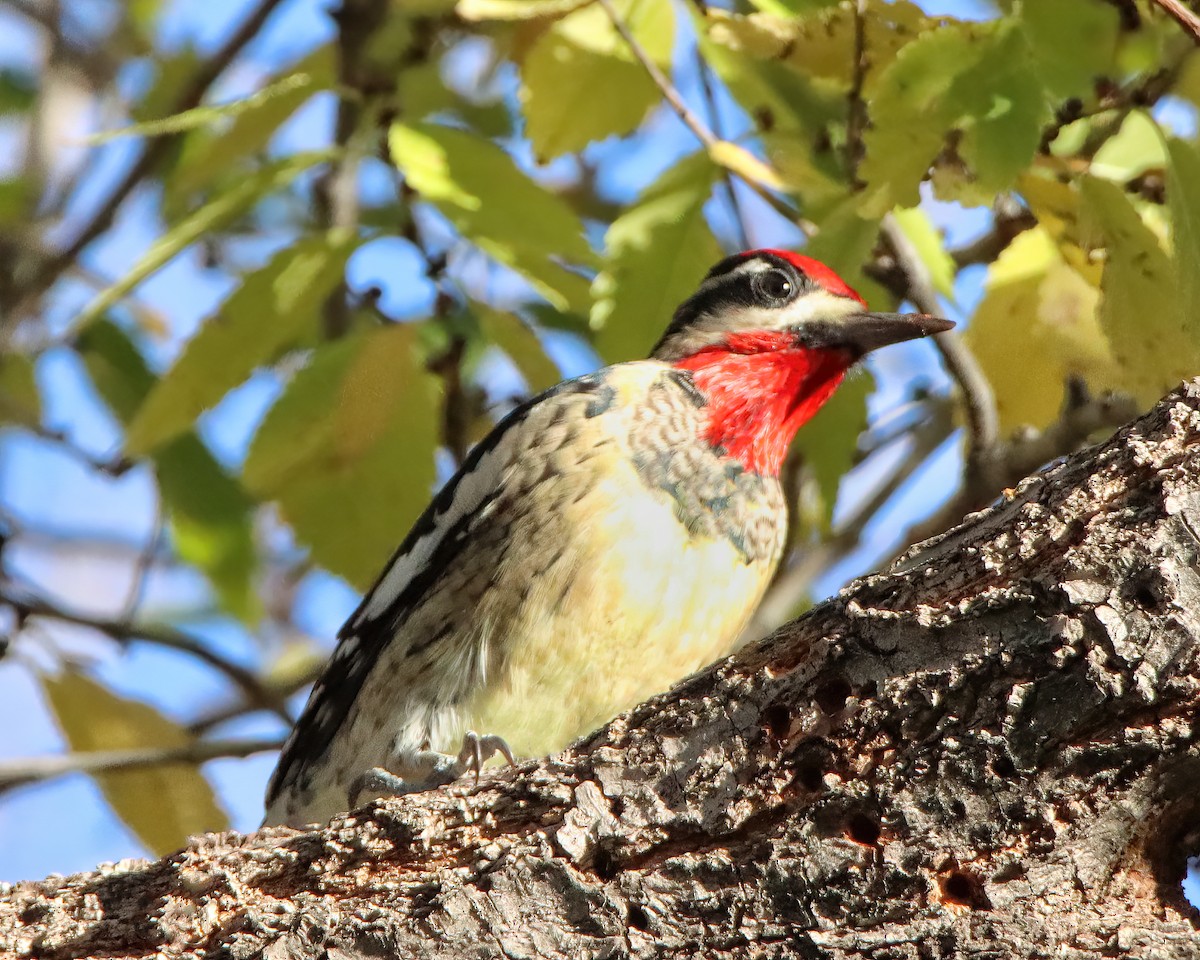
(50, 491)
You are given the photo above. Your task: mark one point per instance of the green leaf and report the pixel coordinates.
(20, 400)
(655, 255)
(478, 187)
(516, 9)
(1135, 148)
(782, 100)
(1036, 327)
(512, 335)
(210, 217)
(163, 805)
(829, 441)
(118, 371)
(210, 154)
(583, 53)
(274, 306)
(348, 450)
(975, 78)
(209, 114)
(1002, 108)
(931, 247)
(18, 90)
(1183, 198)
(910, 113)
(844, 241)
(209, 513)
(821, 41)
(1140, 310)
(210, 518)
(1073, 43)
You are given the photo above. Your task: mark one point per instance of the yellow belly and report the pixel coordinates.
(636, 605)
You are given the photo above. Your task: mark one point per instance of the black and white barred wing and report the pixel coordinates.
(414, 648)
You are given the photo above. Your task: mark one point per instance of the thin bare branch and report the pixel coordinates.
(661, 80)
(1183, 16)
(856, 107)
(741, 223)
(1082, 416)
(1010, 220)
(109, 466)
(17, 773)
(690, 120)
(159, 635)
(793, 584)
(983, 424)
(144, 565)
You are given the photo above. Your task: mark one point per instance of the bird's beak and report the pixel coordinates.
(860, 333)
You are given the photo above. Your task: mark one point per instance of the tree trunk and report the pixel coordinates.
(988, 751)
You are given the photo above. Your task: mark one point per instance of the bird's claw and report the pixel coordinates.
(478, 750)
(430, 769)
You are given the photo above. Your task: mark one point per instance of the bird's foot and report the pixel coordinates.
(430, 769)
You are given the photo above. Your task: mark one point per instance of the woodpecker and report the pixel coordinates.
(609, 537)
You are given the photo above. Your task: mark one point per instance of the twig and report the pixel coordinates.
(1082, 415)
(1183, 16)
(690, 120)
(714, 116)
(159, 635)
(665, 86)
(794, 581)
(143, 566)
(235, 709)
(109, 466)
(856, 108)
(153, 150)
(982, 421)
(1010, 220)
(17, 773)
(336, 192)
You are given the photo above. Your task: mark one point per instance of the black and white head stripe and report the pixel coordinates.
(756, 290)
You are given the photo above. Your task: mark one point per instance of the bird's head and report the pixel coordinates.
(768, 337)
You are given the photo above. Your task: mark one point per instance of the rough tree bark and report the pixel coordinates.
(988, 751)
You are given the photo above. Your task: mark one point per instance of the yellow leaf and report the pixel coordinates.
(163, 805)
(581, 54)
(737, 159)
(347, 450)
(1035, 327)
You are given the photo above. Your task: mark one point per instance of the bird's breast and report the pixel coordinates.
(637, 583)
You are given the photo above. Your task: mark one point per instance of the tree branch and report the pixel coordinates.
(158, 634)
(18, 773)
(1183, 16)
(992, 749)
(690, 120)
(983, 424)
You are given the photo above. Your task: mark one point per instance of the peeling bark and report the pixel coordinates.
(988, 751)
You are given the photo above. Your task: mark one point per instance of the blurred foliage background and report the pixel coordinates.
(271, 268)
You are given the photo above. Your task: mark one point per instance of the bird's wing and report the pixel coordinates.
(432, 547)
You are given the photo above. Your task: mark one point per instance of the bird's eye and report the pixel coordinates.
(773, 287)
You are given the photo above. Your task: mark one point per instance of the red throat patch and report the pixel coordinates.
(761, 389)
